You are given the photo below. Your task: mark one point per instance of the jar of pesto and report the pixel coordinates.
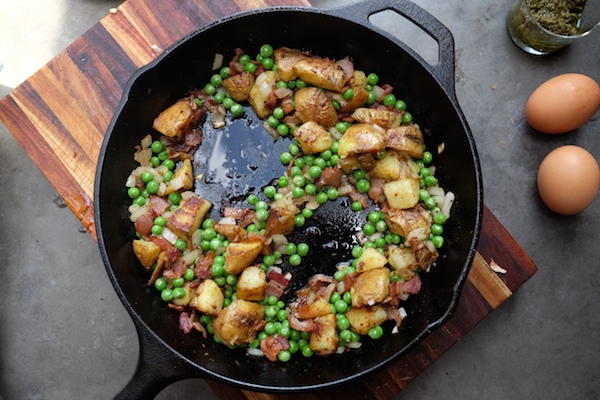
(543, 26)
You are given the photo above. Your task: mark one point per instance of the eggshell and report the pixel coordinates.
(563, 103)
(568, 180)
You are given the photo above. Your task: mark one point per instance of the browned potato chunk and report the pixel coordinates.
(325, 341)
(349, 164)
(251, 284)
(241, 254)
(233, 232)
(147, 252)
(285, 59)
(391, 167)
(175, 119)
(261, 91)
(238, 86)
(370, 258)
(364, 318)
(313, 105)
(407, 139)
(313, 138)
(189, 215)
(370, 287)
(208, 298)
(238, 322)
(321, 72)
(384, 118)
(403, 222)
(183, 178)
(280, 221)
(320, 306)
(403, 260)
(361, 138)
(402, 193)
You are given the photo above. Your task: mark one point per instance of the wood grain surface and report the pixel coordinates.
(61, 113)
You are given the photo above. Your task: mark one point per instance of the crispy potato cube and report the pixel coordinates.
(325, 341)
(208, 298)
(370, 288)
(147, 252)
(403, 260)
(313, 138)
(261, 91)
(402, 193)
(389, 167)
(233, 232)
(285, 59)
(403, 222)
(361, 138)
(280, 221)
(186, 219)
(364, 318)
(237, 323)
(183, 178)
(320, 306)
(187, 297)
(370, 258)
(383, 118)
(313, 104)
(240, 255)
(406, 139)
(175, 119)
(238, 86)
(349, 164)
(321, 72)
(251, 284)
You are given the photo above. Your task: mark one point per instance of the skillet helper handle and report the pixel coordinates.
(156, 369)
(444, 69)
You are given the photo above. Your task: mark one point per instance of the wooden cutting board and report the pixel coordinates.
(61, 113)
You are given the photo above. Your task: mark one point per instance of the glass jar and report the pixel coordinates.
(527, 32)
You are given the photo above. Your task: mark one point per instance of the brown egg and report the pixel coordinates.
(568, 180)
(563, 103)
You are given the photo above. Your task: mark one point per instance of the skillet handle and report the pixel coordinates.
(444, 69)
(156, 369)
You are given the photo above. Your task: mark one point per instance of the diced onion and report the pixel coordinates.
(191, 256)
(255, 352)
(227, 221)
(130, 182)
(136, 211)
(353, 345)
(403, 312)
(447, 204)
(217, 61)
(169, 235)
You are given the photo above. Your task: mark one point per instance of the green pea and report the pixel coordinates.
(168, 176)
(270, 191)
(302, 249)
(381, 226)
(359, 174)
(157, 230)
(189, 275)
(178, 293)
(266, 50)
(427, 157)
(356, 206)
(250, 67)
(283, 129)
(216, 80)
(372, 79)
(341, 127)
(295, 260)
(307, 352)
(341, 306)
(224, 72)
(155, 161)
(175, 198)
(181, 244)
(299, 220)
(210, 89)
(369, 229)
(228, 102)
(285, 158)
(267, 63)
(332, 193)
(348, 94)
(347, 297)
(322, 197)
(163, 155)
(339, 275)
(335, 297)
(437, 229)
(147, 176)
(237, 110)
(343, 323)
(133, 192)
(157, 146)
(307, 212)
(372, 97)
(283, 182)
(400, 105)
(376, 332)
(407, 118)
(438, 241)
(166, 295)
(430, 181)
(389, 100)
(291, 248)
(160, 284)
(294, 149)
(439, 218)
(357, 251)
(261, 205)
(198, 102)
(152, 187)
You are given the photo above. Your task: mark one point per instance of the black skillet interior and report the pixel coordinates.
(188, 66)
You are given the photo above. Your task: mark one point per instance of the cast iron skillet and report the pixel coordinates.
(167, 355)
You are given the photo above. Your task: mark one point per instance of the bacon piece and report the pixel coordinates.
(331, 176)
(143, 225)
(393, 313)
(271, 346)
(402, 288)
(203, 268)
(287, 104)
(376, 190)
(158, 204)
(274, 289)
(185, 322)
(318, 281)
(176, 270)
(305, 325)
(347, 66)
(279, 278)
(355, 195)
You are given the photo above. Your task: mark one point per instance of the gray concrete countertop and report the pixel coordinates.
(65, 335)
